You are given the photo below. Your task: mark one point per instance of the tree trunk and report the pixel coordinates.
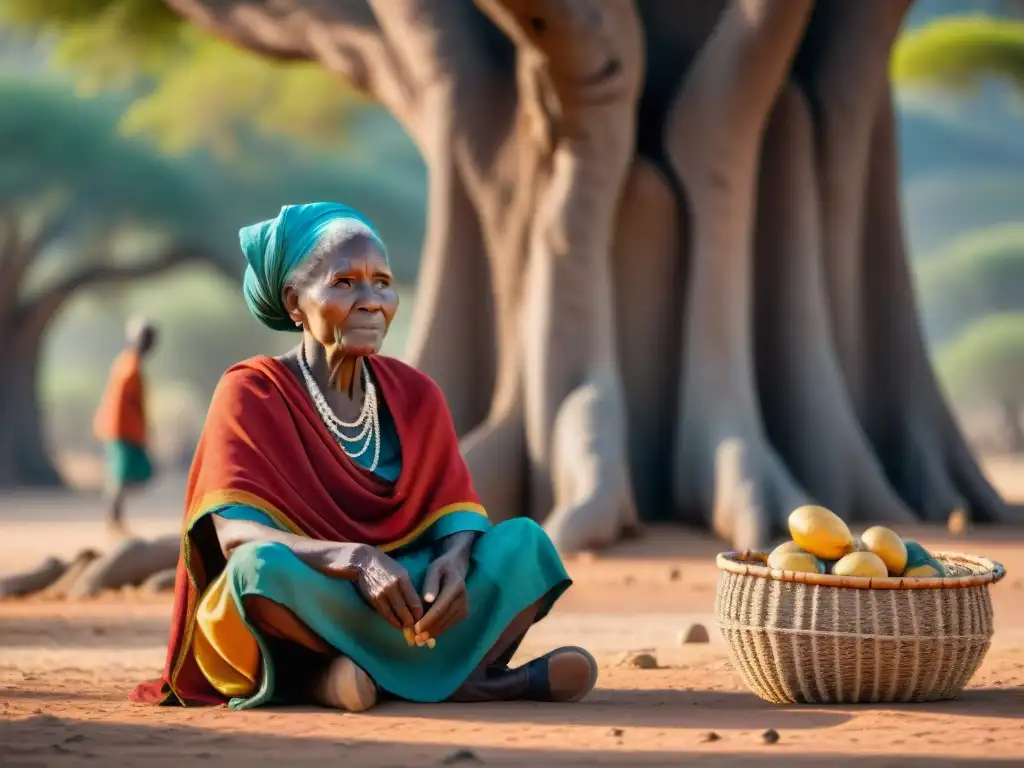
(721, 327)
(24, 458)
(1014, 429)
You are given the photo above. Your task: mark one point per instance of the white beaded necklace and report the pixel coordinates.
(368, 422)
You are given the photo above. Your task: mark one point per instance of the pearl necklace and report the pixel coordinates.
(368, 422)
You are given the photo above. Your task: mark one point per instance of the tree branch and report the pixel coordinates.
(35, 314)
(343, 35)
(24, 250)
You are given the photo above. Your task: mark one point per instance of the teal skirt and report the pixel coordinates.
(513, 565)
(127, 464)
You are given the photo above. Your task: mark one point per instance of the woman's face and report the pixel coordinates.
(348, 300)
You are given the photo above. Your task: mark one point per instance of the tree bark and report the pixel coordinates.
(719, 326)
(907, 417)
(727, 475)
(844, 67)
(808, 413)
(1014, 429)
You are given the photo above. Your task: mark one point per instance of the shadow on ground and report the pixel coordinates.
(47, 740)
(71, 631)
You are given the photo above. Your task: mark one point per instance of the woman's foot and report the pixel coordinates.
(344, 685)
(564, 675)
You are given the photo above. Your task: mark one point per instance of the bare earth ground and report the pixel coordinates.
(65, 670)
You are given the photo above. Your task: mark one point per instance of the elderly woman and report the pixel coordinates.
(334, 548)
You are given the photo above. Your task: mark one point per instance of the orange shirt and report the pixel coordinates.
(121, 415)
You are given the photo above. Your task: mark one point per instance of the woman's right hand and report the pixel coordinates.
(386, 586)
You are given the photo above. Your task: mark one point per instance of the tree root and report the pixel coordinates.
(161, 581)
(495, 455)
(33, 580)
(594, 504)
(808, 411)
(129, 564)
(59, 589)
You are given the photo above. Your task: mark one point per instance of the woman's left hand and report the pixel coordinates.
(444, 590)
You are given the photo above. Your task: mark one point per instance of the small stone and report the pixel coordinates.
(707, 738)
(957, 522)
(641, 661)
(586, 556)
(675, 574)
(461, 757)
(629, 579)
(695, 633)
(616, 732)
(771, 736)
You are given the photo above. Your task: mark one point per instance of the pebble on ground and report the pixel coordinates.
(695, 633)
(640, 660)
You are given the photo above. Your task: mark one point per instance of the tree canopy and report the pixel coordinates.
(987, 360)
(957, 52)
(978, 274)
(178, 70)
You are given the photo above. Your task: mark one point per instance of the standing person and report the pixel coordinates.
(120, 422)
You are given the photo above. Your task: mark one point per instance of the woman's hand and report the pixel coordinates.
(387, 587)
(444, 590)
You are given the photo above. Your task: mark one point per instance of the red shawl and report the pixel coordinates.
(264, 445)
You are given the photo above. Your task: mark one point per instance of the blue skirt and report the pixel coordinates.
(127, 464)
(513, 565)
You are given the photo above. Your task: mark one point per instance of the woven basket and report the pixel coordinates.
(823, 639)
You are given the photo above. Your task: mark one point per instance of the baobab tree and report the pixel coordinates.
(664, 266)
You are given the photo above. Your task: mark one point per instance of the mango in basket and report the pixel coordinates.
(820, 532)
(787, 557)
(787, 546)
(927, 570)
(887, 545)
(861, 564)
(916, 555)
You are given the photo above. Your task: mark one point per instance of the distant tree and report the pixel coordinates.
(79, 206)
(977, 275)
(82, 205)
(179, 72)
(986, 363)
(957, 52)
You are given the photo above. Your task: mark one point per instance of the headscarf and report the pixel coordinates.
(275, 247)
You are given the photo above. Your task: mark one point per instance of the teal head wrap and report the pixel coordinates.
(275, 247)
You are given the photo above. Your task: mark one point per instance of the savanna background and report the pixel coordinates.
(126, 169)
(119, 172)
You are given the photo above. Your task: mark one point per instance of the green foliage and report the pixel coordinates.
(956, 52)
(977, 275)
(63, 160)
(64, 156)
(195, 91)
(986, 361)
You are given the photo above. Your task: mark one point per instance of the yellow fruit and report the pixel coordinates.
(785, 558)
(820, 532)
(926, 570)
(888, 546)
(861, 564)
(788, 546)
